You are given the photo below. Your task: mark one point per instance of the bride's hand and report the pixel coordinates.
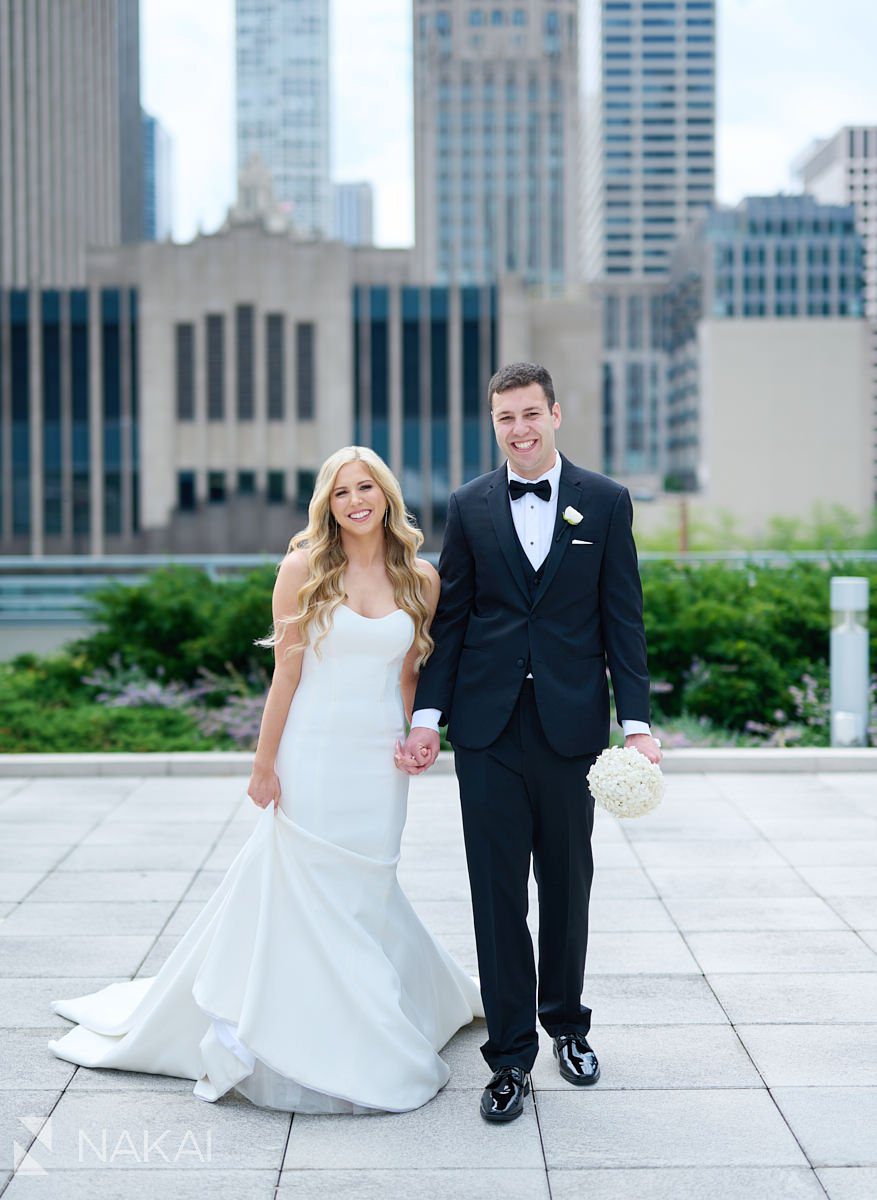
(264, 788)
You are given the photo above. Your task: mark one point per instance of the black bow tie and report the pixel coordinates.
(542, 489)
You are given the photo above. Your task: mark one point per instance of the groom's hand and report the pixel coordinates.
(419, 752)
(646, 744)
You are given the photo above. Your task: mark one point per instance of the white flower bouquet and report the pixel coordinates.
(625, 783)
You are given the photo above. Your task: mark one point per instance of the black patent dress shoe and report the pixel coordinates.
(576, 1061)
(503, 1098)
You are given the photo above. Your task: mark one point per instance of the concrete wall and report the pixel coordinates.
(785, 421)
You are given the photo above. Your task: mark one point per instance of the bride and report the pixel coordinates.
(307, 983)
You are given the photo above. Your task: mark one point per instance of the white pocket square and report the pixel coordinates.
(579, 542)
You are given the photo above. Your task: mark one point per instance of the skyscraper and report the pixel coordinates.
(496, 140)
(157, 181)
(649, 76)
(843, 170)
(70, 163)
(353, 216)
(283, 103)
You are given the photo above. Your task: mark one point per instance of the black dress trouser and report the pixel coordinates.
(520, 799)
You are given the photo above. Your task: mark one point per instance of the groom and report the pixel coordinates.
(540, 591)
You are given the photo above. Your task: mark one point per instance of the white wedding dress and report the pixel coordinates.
(307, 983)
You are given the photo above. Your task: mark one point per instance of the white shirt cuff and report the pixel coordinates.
(630, 727)
(427, 718)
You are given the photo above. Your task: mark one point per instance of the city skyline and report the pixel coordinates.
(770, 52)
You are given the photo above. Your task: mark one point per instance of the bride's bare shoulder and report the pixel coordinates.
(431, 574)
(293, 570)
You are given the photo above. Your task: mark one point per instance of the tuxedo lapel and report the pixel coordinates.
(504, 528)
(568, 494)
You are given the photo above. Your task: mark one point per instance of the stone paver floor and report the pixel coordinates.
(732, 972)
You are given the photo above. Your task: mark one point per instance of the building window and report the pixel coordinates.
(185, 339)
(276, 487)
(186, 491)
(216, 487)
(610, 323)
(304, 371)
(215, 367)
(304, 487)
(246, 483)
(274, 355)
(244, 343)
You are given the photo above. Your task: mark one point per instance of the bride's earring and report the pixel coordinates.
(386, 516)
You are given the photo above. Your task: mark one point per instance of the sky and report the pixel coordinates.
(789, 71)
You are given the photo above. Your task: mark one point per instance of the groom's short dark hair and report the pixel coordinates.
(519, 375)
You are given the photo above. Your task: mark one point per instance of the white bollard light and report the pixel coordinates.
(849, 661)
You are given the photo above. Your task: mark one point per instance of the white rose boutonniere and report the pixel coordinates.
(572, 516)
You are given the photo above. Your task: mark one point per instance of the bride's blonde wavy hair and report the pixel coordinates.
(323, 590)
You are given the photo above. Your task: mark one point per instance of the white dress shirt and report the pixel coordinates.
(534, 520)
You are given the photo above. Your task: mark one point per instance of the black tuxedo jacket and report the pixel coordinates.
(585, 612)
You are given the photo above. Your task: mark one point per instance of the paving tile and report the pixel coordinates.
(697, 823)
(702, 882)
(839, 998)
(159, 951)
(740, 913)
(801, 1056)
(233, 1132)
(142, 1183)
(631, 882)
(113, 886)
(841, 881)
(657, 1057)
(167, 856)
(85, 919)
(616, 913)
(834, 1125)
(420, 883)
(45, 833)
(204, 885)
(122, 833)
(183, 916)
(14, 1135)
(447, 1132)
(632, 1129)
(97, 1080)
(830, 827)
(55, 955)
(15, 885)
(869, 937)
(860, 912)
(459, 1184)
(651, 1000)
(29, 857)
(5, 909)
(26, 1003)
(755, 852)
(688, 1183)
(788, 950)
(639, 954)
(849, 1183)
(829, 853)
(26, 1062)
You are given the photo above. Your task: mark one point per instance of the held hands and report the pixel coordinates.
(646, 744)
(419, 752)
(264, 788)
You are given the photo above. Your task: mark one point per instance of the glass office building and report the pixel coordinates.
(496, 148)
(422, 359)
(69, 455)
(283, 104)
(770, 258)
(649, 78)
